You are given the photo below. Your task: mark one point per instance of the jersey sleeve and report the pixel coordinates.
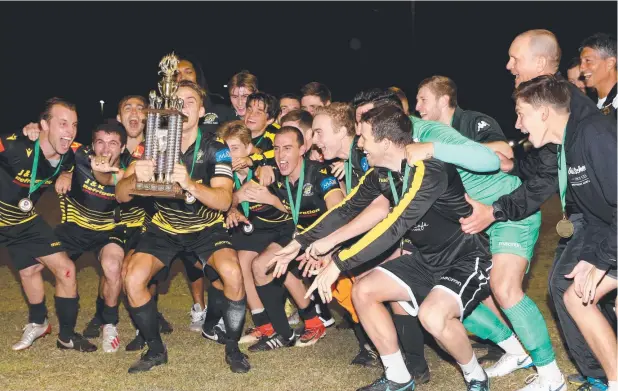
(219, 160)
(452, 147)
(429, 182)
(359, 198)
(487, 129)
(326, 181)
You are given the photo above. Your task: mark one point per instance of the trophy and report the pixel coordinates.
(164, 135)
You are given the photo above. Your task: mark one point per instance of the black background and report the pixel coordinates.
(86, 52)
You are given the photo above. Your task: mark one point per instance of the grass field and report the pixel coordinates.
(198, 364)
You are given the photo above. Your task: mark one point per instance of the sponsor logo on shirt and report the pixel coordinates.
(420, 227)
(481, 125)
(223, 156)
(576, 170)
(364, 164)
(328, 183)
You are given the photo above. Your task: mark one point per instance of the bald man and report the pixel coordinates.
(535, 53)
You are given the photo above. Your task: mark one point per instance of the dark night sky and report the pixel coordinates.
(91, 51)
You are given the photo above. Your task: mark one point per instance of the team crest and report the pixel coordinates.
(200, 155)
(211, 119)
(307, 190)
(139, 151)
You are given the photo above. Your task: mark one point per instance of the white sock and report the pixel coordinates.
(511, 345)
(550, 371)
(395, 368)
(258, 311)
(612, 385)
(472, 370)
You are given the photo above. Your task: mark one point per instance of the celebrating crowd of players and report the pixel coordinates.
(409, 223)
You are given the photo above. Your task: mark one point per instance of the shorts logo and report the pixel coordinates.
(211, 119)
(451, 279)
(55, 244)
(364, 164)
(509, 244)
(223, 156)
(308, 190)
(222, 242)
(328, 183)
(481, 125)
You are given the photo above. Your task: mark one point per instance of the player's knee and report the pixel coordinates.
(65, 272)
(506, 291)
(231, 275)
(361, 293)
(31, 271)
(112, 267)
(259, 272)
(134, 280)
(571, 300)
(432, 318)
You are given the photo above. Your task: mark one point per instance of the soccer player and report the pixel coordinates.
(307, 189)
(598, 67)
(442, 282)
(587, 164)
(240, 86)
(179, 226)
(314, 95)
(26, 169)
(90, 216)
(287, 103)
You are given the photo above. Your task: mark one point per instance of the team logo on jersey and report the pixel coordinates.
(28, 151)
(323, 171)
(364, 163)
(211, 119)
(328, 183)
(12, 137)
(200, 155)
(481, 125)
(223, 156)
(307, 190)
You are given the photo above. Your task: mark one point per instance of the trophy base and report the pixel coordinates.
(158, 189)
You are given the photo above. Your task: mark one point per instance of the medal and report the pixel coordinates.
(295, 206)
(189, 198)
(247, 229)
(565, 228)
(25, 205)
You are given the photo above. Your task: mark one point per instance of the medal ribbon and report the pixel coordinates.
(562, 173)
(244, 204)
(348, 170)
(35, 165)
(406, 176)
(295, 207)
(198, 140)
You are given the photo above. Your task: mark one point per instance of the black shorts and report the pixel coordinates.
(77, 240)
(132, 236)
(467, 281)
(263, 234)
(166, 247)
(30, 240)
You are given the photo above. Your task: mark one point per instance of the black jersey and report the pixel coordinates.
(132, 213)
(263, 214)
(318, 183)
(428, 214)
(175, 215)
(360, 165)
(90, 204)
(16, 158)
(264, 149)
